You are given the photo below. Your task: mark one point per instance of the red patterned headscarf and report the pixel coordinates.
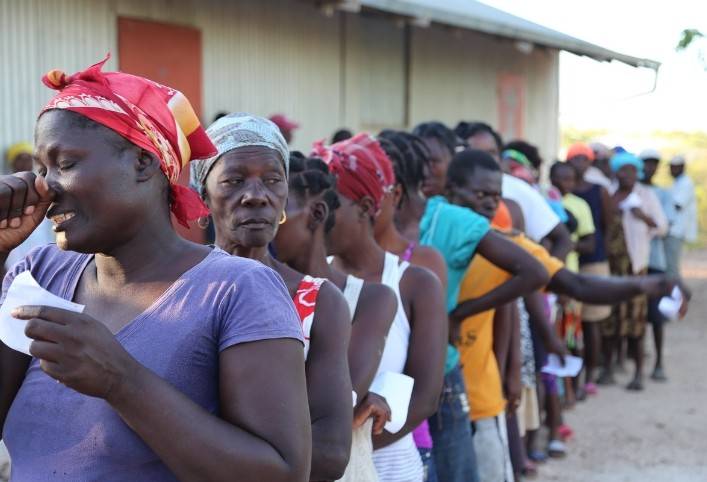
(154, 117)
(361, 166)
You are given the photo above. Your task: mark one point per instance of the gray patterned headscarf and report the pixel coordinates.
(238, 130)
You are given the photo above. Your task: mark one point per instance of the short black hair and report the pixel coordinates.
(219, 114)
(341, 135)
(465, 130)
(311, 177)
(436, 130)
(559, 165)
(528, 150)
(465, 163)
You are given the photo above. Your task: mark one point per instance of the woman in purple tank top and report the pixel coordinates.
(168, 373)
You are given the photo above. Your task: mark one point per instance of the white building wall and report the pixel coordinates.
(286, 56)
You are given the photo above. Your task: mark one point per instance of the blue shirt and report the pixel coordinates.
(455, 232)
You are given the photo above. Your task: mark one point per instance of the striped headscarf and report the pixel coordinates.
(361, 166)
(152, 116)
(238, 130)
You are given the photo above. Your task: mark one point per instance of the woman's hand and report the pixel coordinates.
(24, 200)
(76, 350)
(372, 405)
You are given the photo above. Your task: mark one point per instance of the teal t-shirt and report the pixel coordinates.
(455, 231)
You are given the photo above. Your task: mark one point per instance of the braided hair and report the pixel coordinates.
(441, 133)
(409, 156)
(309, 176)
(529, 150)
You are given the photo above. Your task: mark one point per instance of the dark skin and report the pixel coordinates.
(557, 241)
(121, 215)
(355, 250)
(246, 191)
(440, 157)
(482, 194)
(300, 243)
(564, 178)
(677, 171)
(390, 239)
(22, 162)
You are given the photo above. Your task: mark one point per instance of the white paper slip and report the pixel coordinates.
(396, 388)
(573, 365)
(670, 306)
(25, 291)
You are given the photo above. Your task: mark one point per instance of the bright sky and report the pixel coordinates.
(612, 95)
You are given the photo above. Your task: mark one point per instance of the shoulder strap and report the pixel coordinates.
(352, 292)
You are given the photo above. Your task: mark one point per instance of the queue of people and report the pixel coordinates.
(377, 309)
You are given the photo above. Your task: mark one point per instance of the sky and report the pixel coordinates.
(614, 96)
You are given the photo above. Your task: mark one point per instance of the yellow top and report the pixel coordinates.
(481, 373)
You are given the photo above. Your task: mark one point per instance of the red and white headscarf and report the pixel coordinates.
(361, 166)
(152, 116)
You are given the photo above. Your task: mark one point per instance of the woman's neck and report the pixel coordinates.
(313, 261)
(364, 259)
(391, 240)
(148, 256)
(407, 218)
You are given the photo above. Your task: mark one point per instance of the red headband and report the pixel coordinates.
(154, 117)
(360, 165)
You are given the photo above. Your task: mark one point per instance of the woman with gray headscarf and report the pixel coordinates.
(245, 187)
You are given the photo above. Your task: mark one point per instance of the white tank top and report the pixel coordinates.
(399, 461)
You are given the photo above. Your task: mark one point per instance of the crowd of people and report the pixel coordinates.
(435, 255)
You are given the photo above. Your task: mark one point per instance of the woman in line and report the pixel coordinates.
(160, 378)
(245, 187)
(417, 338)
(408, 154)
(300, 242)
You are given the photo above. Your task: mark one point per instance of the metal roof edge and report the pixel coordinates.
(529, 32)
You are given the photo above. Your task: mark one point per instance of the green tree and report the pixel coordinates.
(693, 37)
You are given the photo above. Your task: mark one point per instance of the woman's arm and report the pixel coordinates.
(374, 315)
(527, 275)
(535, 306)
(422, 293)
(262, 431)
(511, 381)
(586, 244)
(607, 290)
(329, 386)
(13, 366)
(502, 321)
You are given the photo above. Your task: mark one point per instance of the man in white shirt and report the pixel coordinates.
(683, 226)
(599, 172)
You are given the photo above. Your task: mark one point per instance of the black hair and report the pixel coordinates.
(409, 155)
(465, 130)
(311, 177)
(443, 134)
(219, 114)
(465, 163)
(341, 135)
(528, 150)
(558, 165)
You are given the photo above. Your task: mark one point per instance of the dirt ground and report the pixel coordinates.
(654, 436)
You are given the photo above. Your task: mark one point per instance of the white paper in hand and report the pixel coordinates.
(25, 291)
(572, 366)
(396, 388)
(670, 306)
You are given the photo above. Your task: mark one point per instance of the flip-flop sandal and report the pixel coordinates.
(565, 432)
(659, 375)
(529, 470)
(537, 456)
(591, 389)
(557, 449)
(635, 386)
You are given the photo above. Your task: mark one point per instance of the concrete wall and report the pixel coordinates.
(345, 70)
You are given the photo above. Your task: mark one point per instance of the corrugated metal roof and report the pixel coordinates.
(474, 15)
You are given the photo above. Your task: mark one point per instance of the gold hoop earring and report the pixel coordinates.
(283, 220)
(203, 222)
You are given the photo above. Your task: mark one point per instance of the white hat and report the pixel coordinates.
(678, 160)
(649, 153)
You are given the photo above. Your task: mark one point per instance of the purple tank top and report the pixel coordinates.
(55, 433)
